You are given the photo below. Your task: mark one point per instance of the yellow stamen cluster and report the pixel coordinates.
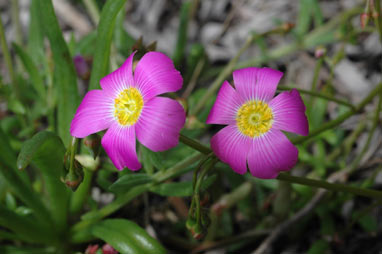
(128, 106)
(254, 118)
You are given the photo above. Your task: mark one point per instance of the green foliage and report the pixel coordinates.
(46, 151)
(182, 34)
(104, 39)
(127, 237)
(180, 189)
(128, 181)
(34, 74)
(64, 74)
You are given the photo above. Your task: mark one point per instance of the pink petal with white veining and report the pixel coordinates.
(270, 154)
(254, 83)
(232, 147)
(94, 114)
(159, 123)
(120, 79)
(226, 105)
(155, 74)
(289, 113)
(119, 144)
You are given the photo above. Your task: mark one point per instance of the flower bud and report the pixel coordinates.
(81, 66)
(197, 232)
(287, 27)
(74, 177)
(107, 249)
(190, 223)
(364, 19)
(91, 249)
(94, 143)
(320, 52)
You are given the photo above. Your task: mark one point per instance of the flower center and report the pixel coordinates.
(128, 106)
(254, 118)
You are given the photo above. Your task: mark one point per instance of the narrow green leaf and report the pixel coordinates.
(104, 37)
(366, 221)
(180, 189)
(127, 237)
(304, 17)
(128, 181)
(18, 183)
(7, 154)
(182, 34)
(151, 160)
(10, 201)
(86, 46)
(123, 40)
(8, 249)
(36, 36)
(64, 74)
(318, 247)
(317, 13)
(34, 74)
(16, 106)
(46, 151)
(6, 235)
(197, 53)
(25, 227)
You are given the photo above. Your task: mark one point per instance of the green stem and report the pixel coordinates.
(7, 58)
(320, 95)
(199, 182)
(195, 180)
(195, 75)
(199, 167)
(330, 186)
(348, 143)
(223, 75)
(316, 74)
(194, 144)
(313, 87)
(73, 149)
(378, 18)
(198, 215)
(340, 119)
(366, 146)
(80, 195)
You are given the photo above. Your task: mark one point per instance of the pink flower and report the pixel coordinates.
(128, 106)
(253, 136)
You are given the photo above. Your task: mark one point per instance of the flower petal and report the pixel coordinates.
(271, 153)
(119, 144)
(226, 105)
(232, 147)
(119, 79)
(159, 124)
(256, 83)
(155, 74)
(289, 113)
(94, 114)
